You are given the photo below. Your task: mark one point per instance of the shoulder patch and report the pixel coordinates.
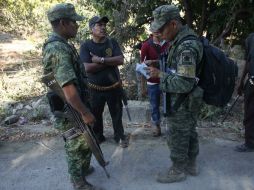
(186, 65)
(186, 57)
(108, 52)
(188, 71)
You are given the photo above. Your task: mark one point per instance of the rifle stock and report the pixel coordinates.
(85, 130)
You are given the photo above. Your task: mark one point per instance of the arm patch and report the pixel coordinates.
(186, 65)
(186, 57)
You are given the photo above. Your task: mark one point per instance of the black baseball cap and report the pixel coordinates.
(97, 19)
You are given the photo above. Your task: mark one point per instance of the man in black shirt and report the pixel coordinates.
(101, 57)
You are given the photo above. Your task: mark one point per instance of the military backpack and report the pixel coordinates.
(217, 74)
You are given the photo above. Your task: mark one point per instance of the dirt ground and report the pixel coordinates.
(40, 164)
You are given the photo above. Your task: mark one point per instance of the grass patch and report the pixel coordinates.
(22, 83)
(209, 112)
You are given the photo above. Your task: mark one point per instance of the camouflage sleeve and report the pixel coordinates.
(61, 58)
(173, 83)
(186, 56)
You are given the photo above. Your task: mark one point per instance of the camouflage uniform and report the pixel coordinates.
(62, 59)
(183, 60)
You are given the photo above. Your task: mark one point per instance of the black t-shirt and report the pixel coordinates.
(109, 48)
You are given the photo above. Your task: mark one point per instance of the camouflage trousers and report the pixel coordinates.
(77, 151)
(183, 137)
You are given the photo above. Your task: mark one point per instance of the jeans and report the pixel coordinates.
(154, 98)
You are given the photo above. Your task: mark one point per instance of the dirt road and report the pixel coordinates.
(30, 165)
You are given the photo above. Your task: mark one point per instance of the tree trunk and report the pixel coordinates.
(203, 17)
(188, 12)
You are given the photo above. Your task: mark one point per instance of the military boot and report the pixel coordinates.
(157, 131)
(87, 172)
(82, 184)
(191, 168)
(174, 174)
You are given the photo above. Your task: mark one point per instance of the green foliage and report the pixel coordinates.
(21, 84)
(22, 16)
(209, 112)
(26, 17)
(130, 19)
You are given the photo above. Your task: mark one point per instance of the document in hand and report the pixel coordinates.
(141, 68)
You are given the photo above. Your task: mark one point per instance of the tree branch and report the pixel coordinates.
(203, 17)
(228, 28)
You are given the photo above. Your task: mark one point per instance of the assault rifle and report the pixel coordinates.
(125, 103)
(165, 96)
(81, 127)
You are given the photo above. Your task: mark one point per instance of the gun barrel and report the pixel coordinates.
(128, 112)
(225, 117)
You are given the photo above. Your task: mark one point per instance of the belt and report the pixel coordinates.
(104, 88)
(71, 134)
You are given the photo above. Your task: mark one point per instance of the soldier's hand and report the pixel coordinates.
(88, 118)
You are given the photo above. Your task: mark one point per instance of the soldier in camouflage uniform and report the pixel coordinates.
(184, 57)
(61, 58)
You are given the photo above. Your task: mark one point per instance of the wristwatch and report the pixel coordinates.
(102, 60)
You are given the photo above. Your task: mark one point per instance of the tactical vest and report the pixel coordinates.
(77, 66)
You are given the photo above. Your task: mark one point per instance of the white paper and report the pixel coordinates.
(140, 68)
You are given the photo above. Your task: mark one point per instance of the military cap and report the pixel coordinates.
(97, 19)
(63, 10)
(162, 15)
